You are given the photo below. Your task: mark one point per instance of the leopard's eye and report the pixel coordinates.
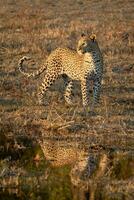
(84, 44)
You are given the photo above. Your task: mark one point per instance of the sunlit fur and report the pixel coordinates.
(83, 65)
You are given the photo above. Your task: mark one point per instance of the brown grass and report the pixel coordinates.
(35, 28)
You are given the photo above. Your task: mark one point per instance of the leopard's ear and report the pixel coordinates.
(83, 35)
(93, 37)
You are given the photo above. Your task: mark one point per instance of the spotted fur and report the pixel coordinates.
(83, 65)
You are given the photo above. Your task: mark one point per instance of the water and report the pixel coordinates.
(49, 168)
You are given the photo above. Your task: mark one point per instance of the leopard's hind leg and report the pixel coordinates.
(50, 77)
(68, 95)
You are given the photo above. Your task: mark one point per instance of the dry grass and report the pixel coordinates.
(35, 28)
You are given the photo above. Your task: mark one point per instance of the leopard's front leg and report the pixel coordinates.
(85, 91)
(96, 89)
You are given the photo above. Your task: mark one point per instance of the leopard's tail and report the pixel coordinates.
(33, 74)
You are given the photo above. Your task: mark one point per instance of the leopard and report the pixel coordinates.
(85, 64)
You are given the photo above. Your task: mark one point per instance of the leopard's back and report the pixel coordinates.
(67, 61)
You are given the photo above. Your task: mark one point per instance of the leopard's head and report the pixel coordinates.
(87, 43)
